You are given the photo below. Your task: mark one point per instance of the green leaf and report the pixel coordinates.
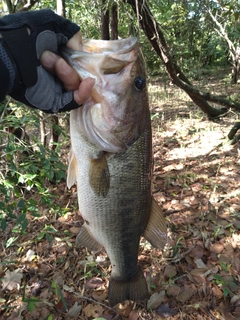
(3, 224)
(31, 303)
(59, 291)
(41, 235)
(21, 218)
(217, 276)
(21, 179)
(11, 215)
(49, 238)
(2, 205)
(10, 241)
(225, 292)
(24, 225)
(20, 204)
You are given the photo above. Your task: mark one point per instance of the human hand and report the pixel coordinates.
(58, 66)
(26, 36)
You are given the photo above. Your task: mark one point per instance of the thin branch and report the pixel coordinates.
(29, 5)
(222, 32)
(158, 42)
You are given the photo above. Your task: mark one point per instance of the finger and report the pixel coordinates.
(67, 75)
(55, 64)
(84, 91)
(48, 59)
(75, 42)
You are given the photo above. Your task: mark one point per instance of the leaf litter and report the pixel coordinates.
(43, 275)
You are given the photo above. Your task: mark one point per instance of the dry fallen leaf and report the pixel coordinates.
(99, 295)
(236, 240)
(186, 294)
(94, 283)
(30, 255)
(170, 271)
(166, 312)
(93, 310)
(74, 230)
(124, 308)
(67, 265)
(200, 264)
(12, 279)
(225, 312)
(217, 247)
(156, 299)
(198, 272)
(133, 315)
(74, 310)
(208, 221)
(44, 294)
(173, 290)
(68, 289)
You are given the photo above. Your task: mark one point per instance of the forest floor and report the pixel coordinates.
(196, 181)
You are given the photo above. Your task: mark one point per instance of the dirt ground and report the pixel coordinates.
(196, 181)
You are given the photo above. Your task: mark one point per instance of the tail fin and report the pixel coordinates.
(132, 289)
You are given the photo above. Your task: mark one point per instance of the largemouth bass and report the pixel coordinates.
(111, 160)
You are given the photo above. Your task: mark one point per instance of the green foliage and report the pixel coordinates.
(188, 29)
(31, 302)
(226, 284)
(47, 232)
(27, 168)
(58, 292)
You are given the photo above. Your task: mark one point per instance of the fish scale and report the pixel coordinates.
(114, 187)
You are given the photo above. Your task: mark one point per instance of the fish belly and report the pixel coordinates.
(116, 221)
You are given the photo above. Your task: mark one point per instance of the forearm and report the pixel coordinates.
(23, 38)
(4, 81)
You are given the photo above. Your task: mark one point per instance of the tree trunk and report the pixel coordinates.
(9, 6)
(54, 132)
(234, 53)
(158, 42)
(43, 134)
(114, 22)
(61, 8)
(105, 22)
(236, 66)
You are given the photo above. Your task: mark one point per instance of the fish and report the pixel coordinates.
(112, 162)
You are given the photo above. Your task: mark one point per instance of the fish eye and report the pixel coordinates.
(140, 83)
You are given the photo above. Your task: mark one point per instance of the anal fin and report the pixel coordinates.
(134, 289)
(85, 239)
(72, 169)
(156, 230)
(99, 176)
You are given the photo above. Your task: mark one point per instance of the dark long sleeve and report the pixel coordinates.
(4, 80)
(24, 37)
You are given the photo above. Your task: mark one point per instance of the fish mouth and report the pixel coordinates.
(103, 116)
(93, 46)
(101, 59)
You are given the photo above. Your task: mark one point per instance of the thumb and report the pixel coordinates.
(84, 91)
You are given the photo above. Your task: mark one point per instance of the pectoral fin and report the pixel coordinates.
(99, 176)
(72, 169)
(85, 239)
(156, 231)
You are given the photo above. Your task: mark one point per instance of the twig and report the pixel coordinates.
(183, 255)
(94, 301)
